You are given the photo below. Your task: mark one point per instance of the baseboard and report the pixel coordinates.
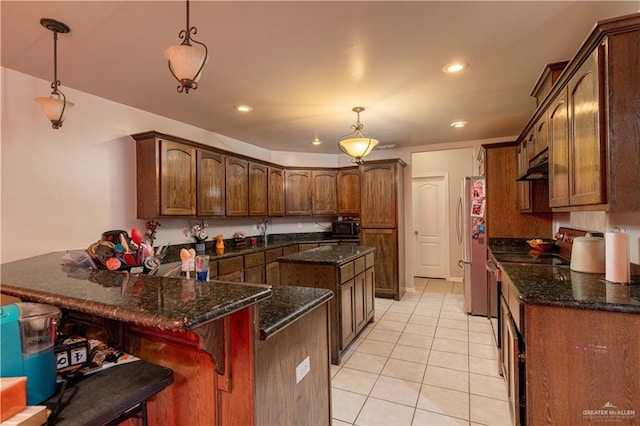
(455, 279)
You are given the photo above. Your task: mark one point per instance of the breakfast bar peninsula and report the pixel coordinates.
(241, 353)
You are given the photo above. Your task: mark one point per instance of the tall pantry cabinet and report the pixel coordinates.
(382, 223)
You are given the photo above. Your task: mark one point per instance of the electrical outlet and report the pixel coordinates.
(303, 369)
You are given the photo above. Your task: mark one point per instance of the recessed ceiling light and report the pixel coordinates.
(458, 124)
(454, 67)
(316, 141)
(244, 108)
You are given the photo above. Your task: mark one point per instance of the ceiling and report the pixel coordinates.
(304, 65)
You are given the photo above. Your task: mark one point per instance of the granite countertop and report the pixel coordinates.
(560, 286)
(287, 304)
(174, 304)
(330, 255)
(278, 241)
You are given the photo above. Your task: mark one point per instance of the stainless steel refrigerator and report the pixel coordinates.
(472, 236)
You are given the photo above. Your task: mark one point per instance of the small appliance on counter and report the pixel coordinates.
(345, 228)
(588, 255)
(27, 340)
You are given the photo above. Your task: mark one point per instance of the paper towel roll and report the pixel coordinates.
(617, 267)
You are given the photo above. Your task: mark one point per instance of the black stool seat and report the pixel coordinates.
(110, 396)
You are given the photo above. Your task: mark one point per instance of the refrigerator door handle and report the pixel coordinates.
(459, 220)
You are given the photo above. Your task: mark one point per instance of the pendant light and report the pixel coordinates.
(357, 144)
(185, 60)
(56, 105)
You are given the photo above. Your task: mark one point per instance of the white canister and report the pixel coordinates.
(588, 255)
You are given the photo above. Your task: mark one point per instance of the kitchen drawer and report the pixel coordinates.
(253, 259)
(272, 254)
(346, 272)
(289, 249)
(232, 264)
(236, 276)
(369, 261)
(358, 265)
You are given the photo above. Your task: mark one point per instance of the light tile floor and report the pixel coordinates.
(422, 362)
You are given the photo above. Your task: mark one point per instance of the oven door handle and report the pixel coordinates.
(493, 268)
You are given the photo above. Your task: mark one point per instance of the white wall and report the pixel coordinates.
(62, 188)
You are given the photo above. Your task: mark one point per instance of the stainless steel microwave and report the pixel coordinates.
(345, 229)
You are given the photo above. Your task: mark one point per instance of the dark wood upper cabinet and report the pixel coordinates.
(178, 179)
(559, 152)
(210, 190)
(297, 192)
(237, 189)
(587, 165)
(348, 191)
(257, 189)
(324, 192)
(275, 193)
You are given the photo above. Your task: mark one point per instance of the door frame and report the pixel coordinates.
(447, 220)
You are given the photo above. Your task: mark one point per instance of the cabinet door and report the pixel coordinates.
(324, 192)
(254, 275)
(297, 192)
(587, 148)
(369, 293)
(359, 302)
(210, 189)
(348, 191)
(542, 135)
(379, 196)
(559, 153)
(237, 174)
(257, 189)
(273, 273)
(276, 191)
(524, 187)
(386, 260)
(178, 179)
(346, 316)
(236, 277)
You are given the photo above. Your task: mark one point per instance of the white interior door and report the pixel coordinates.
(431, 226)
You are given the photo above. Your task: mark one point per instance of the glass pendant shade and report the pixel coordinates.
(357, 144)
(358, 147)
(186, 61)
(55, 108)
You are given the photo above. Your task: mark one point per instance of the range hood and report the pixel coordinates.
(539, 171)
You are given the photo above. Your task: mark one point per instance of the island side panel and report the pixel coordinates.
(280, 361)
(191, 399)
(579, 361)
(318, 276)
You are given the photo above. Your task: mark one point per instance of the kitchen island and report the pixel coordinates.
(569, 345)
(234, 348)
(348, 271)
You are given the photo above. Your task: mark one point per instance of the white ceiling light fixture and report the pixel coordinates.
(316, 141)
(186, 60)
(244, 108)
(56, 105)
(357, 144)
(458, 124)
(455, 67)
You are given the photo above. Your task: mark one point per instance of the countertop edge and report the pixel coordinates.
(133, 317)
(274, 328)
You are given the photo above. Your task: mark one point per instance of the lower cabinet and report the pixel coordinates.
(353, 284)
